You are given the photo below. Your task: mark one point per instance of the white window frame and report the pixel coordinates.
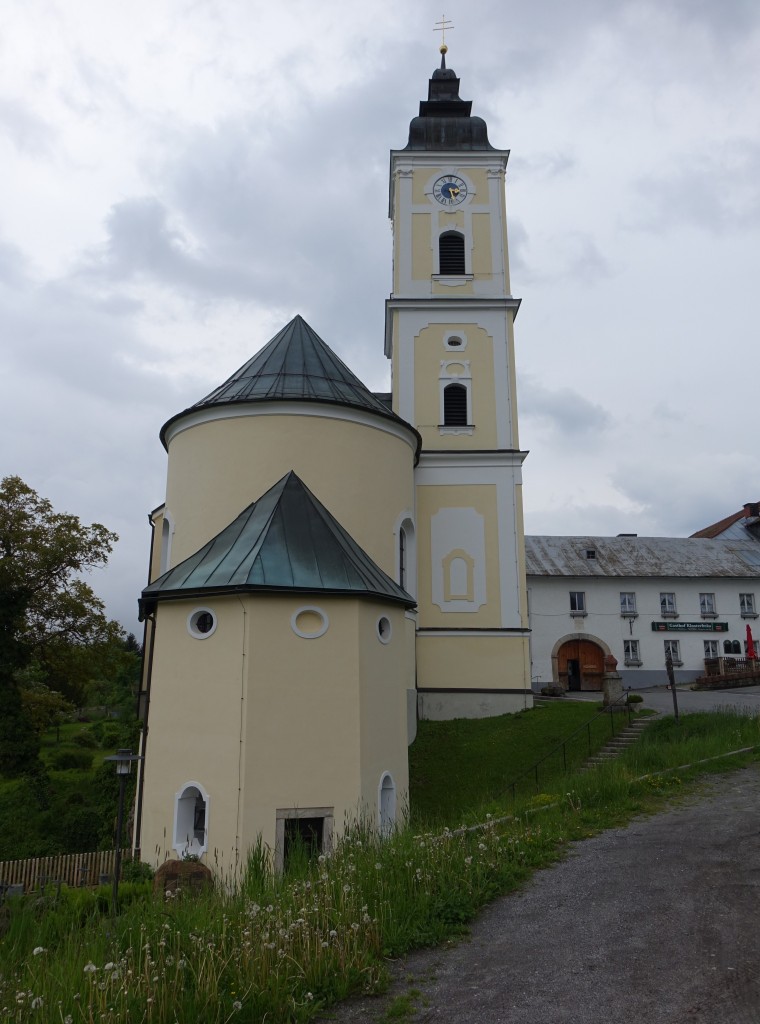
(182, 843)
(405, 525)
(668, 597)
(674, 646)
(707, 605)
(628, 604)
(712, 649)
(386, 804)
(631, 652)
(580, 610)
(747, 606)
(445, 378)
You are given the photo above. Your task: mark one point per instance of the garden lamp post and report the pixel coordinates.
(123, 759)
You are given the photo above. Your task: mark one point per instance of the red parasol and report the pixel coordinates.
(750, 644)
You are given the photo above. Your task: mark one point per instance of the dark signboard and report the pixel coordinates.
(689, 627)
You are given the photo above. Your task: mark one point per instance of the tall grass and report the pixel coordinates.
(282, 948)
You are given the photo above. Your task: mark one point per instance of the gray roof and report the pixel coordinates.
(285, 541)
(641, 556)
(296, 365)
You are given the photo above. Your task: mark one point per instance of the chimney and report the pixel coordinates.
(751, 509)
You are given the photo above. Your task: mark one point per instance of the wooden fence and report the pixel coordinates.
(74, 869)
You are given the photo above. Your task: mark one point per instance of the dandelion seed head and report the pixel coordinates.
(237, 1006)
(37, 1003)
(89, 968)
(37, 950)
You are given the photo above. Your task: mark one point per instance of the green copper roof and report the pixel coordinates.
(287, 540)
(296, 365)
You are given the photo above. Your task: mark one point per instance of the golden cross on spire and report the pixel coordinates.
(441, 26)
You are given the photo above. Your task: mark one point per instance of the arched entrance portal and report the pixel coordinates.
(580, 665)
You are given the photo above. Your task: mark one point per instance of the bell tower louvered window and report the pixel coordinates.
(451, 253)
(455, 405)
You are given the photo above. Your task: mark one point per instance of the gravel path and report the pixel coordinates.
(656, 923)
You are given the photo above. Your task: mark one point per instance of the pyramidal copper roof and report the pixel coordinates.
(285, 541)
(296, 365)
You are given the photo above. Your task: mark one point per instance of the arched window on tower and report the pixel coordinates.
(455, 405)
(451, 253)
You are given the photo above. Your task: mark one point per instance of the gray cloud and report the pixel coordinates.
(564, 411)
(720, 192)
(28, 132)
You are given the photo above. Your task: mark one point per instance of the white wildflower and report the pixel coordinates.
(237, 1005)
(89, 968)
(468, 860)
(37, 950)
(37, 1003)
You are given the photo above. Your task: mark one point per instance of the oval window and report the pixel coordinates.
(309, 623)
(383, 629)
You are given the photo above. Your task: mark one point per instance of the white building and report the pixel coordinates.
(638, 598)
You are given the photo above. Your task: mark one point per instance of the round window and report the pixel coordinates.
(383, 629)
(201, 623)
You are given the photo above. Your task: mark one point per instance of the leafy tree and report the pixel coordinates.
(116, 686)
(42, 706)
(48, 615)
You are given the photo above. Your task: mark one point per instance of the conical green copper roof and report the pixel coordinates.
(296, 365)
(286, 541)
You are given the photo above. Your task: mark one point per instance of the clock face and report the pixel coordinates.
(450, 190)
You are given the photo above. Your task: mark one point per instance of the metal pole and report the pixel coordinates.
(117, 859)
(672, 681)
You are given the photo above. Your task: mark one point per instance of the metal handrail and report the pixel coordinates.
(563, 745)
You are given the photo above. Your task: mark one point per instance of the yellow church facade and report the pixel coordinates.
(330, 564)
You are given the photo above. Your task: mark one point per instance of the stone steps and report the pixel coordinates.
(618, 743)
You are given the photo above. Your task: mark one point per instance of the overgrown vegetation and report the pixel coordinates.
(460, 769)
(66, 805)
(281, 949)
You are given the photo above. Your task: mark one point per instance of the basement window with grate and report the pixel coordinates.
(451, 253)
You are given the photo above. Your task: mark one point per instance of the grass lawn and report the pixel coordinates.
(458, 769)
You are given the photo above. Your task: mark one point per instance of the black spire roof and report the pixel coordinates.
(296, 365)
(445, 121)
(285, 541)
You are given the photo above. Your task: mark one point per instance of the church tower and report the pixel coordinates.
(449, 335)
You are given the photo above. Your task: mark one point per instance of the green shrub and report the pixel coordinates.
(79, 759)
(110, 735)
(85, 738)
(136, 871)
(635, 698)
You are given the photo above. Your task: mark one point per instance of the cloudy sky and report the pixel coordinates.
(180, 177)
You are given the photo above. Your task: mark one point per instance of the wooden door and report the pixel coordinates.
(584, 659)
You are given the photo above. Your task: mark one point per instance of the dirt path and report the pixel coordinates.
(656, 923)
